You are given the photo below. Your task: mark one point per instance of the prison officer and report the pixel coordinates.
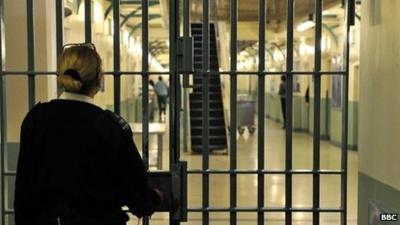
(78, 164)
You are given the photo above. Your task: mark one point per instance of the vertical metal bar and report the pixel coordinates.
(345, 111)
(3, 144)
(145, 87)
(31, 52)
(261, 110)
(317, 112)
(145, 82)
(288, 125)
(88, 21)
(186, 34)
(117, 56)
(205, 114)
(3, 115)
(174, 78)
(177, 104)
(233, 104)
(186, 18)
(185, 120)
(59, 32)
(173, 70)
(59, 26)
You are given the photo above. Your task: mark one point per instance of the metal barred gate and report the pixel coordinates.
(180, 68)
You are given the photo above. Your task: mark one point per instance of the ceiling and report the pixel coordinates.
(276, 12)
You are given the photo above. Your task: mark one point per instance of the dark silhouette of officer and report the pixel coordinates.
(78, 164)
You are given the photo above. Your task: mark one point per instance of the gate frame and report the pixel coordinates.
(175, 93)
(349, 7)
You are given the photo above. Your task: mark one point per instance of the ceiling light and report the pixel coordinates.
(98, 13)
(305, 26)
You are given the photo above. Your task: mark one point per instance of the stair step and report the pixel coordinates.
(215, 132)
(199, 96)
(198, 88)
(199, 104)
(212, 141)
(211, 97)
(210, 136)
(211, 88)
(195, 114)
(210, 127)
(213, 123)
(214, 112)
(199, 148)
(212, 109)
(211, 118)
(213, 81)
(211, 101)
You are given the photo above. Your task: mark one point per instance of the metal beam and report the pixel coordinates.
(109, 9)
(133, 14)
(127, 17)
(150, 15)
(140, 24)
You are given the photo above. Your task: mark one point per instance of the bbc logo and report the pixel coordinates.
(389, 217)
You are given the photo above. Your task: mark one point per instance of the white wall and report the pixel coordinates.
(379, 98)
(16, 58)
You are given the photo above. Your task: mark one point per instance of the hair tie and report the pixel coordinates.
(73, 73)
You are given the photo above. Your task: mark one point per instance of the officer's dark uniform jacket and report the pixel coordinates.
(78, 165)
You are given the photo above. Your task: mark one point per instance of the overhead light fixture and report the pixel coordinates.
(306, 24)
(98, 13)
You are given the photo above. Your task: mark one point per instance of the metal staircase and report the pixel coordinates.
(217, 129)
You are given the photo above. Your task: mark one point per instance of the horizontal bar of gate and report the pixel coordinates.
(299, 172)
(240, 209)
(302, 172)
(25, 73)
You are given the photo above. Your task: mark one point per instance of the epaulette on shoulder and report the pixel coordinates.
(121, 121)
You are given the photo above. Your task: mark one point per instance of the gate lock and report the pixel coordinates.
(174, 185)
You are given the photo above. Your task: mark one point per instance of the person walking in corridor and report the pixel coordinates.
(162, 94)
(78, 164)
(282, 94)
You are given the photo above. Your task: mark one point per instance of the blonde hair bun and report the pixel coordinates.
(70, 84)
(78, 69)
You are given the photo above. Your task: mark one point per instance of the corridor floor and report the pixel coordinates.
(274, 184)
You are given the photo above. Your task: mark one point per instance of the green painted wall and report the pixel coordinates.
(336, 125)
(12, 151)
(325, 115)
(273, 107)
(131, 109)
(331, 118)
(376, 192)
(302, 113)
